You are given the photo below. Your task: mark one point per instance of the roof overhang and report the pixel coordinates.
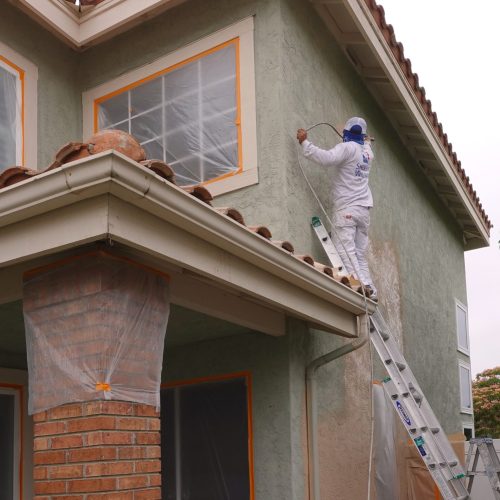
(91, 25)
(356, 30)
(217, 266)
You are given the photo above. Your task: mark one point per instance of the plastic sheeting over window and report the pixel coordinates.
(10, 116)
(205, 441)
(95, 329)
(188, 116)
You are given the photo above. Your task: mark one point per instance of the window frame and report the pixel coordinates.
(17, 391)
(463, 364)
(27, 72)
(246, 376)
(240, 33)
(462, 349)
(470, 426)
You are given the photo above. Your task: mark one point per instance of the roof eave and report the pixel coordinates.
(110, 196)
(93, 25)
(385, 78)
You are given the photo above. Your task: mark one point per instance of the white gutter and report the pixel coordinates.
(110, 172)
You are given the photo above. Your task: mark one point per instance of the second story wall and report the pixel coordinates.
(57, 93)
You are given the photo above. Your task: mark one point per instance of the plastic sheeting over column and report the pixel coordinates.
(95, 329)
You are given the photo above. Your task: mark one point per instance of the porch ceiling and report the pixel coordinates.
(185, 326)
(360, 29)
(217, 266)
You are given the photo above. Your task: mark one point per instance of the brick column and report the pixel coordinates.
(97, 450)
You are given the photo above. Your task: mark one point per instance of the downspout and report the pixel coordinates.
(311, 406)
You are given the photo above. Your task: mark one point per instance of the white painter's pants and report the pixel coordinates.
(350, 236)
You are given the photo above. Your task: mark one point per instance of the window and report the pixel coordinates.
(10, 442)
(18, 81)
(462, 328)
(206, 446)
(468, 431)
(193, 109)
(465, 388)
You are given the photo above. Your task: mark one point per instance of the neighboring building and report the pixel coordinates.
(232, 80)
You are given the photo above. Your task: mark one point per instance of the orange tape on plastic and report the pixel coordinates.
(102, 386)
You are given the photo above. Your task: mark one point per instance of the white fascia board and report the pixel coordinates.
(110, 196)
(81, 30)
(361, 14)
(58, 15)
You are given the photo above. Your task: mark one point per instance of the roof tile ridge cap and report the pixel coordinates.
(420, 91)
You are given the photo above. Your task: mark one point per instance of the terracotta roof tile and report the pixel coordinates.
(128, 146)
(397, 48)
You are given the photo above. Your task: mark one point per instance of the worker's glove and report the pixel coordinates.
(301, 135)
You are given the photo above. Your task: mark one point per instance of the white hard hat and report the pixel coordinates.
(356, 121)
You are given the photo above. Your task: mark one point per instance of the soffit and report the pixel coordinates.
(360, 29)
(86, 26)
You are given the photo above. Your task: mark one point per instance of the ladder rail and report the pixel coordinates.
(408, 398)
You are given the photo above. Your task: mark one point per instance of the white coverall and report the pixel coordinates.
(352, 200)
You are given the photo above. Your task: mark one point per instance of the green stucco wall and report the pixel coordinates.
(416, 251)
(59, 98)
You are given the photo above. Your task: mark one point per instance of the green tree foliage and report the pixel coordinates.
(486, 396)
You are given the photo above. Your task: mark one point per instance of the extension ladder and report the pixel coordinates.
(410, 403)
(485, 449)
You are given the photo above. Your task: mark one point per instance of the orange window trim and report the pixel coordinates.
(21, 73)
(236, 43)
(20, 390)
(219, 378)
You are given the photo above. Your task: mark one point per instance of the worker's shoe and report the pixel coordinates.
(371, 293)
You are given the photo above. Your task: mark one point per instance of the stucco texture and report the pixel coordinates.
(416, 252)
(59, 97)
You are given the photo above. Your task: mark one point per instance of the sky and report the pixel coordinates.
(453, 46)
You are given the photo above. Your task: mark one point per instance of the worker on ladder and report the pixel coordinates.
(352, 199)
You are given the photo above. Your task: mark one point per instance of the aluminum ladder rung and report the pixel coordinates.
(407, 398)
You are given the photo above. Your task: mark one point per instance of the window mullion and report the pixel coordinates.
(200, 123)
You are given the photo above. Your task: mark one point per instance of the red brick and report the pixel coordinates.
(41, 444)
(149, 494)
(71, 441)
(65, 471)
(65, 411)
(155, 480)
(123, 495)
(100, 438)
(154, 424)
(67, 497)
(131, 482)
(40, 417)
(109, 469)
(147, 411)
(153, 452)
(132, 424)
(49, 457)
(131, 452)
(45, 487)
(91, 423)
(92, 454)
(39, 473)
(91, 485)
(148, 466)
(109, 408)
(148, 438)
(49, 428)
